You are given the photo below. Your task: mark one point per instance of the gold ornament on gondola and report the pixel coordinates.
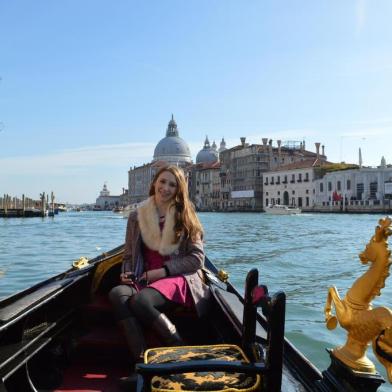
(80, 263)
(223, 275)
(355, 313)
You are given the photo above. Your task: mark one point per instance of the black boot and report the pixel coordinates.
(167, 331)
(134, 337)
(136, 345)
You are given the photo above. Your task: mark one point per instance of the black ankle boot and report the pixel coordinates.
(134, 337)
(136, 345)
(167, 331)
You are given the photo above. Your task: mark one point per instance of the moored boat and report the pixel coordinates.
(278, 209)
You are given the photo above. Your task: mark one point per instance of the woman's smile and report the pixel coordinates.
(165, 187)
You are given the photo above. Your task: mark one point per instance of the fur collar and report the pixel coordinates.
(147, 216)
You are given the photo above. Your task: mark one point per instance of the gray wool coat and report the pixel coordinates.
(186, 261)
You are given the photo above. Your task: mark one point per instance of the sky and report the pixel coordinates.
(87, 87)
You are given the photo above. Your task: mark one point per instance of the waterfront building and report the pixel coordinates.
(205, 178)
(355, 189)
(243, 166)
(105, 201)
(172, 149)
(292, 184)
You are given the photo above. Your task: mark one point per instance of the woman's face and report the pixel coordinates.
(165, 187)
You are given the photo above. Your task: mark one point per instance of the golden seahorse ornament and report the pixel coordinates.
(355, 313)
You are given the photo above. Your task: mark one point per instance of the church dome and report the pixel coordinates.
(172, 148)
(208, 154)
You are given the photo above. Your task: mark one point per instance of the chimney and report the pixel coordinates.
(323, 151)
(265, 141)
(317, 149)
(303, 145)
(243, 141)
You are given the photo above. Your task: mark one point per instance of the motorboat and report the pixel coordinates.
(128, 209)
(278, 209)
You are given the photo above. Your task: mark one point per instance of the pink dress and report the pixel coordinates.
(174, 288)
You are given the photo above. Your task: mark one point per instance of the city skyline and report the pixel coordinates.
(87, 89)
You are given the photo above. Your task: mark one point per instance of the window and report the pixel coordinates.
(266, 202)
(373, 190)
(348, 185)
(329, 186)
(339, 185)
(292, 178)
(307, 201)
(360, 189)
(299, 177)
(306, 177)
(321, 187)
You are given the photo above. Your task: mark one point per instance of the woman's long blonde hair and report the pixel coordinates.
(187, 222)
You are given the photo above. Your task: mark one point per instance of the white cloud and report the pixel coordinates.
(78, 159)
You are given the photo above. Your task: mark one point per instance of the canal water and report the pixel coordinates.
(301, 254)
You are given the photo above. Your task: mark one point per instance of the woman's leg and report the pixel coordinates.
(148, 306)
(120, 296)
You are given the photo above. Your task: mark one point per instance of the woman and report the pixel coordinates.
(162, 262)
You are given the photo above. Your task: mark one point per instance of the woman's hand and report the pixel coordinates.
(127, 278)
(153, 275)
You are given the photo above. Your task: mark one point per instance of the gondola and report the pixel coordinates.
(60, 335)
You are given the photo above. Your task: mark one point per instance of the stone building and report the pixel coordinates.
(169, 150)
(292, 184)
(243, 166)
(105, 201)
(205, 178)
(360, 189)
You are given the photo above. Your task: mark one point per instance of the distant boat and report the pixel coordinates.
(128, 209)
(278, 209)
(117, 209)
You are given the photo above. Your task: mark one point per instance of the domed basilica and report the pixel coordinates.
(172, 149)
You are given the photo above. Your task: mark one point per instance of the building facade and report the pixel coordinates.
(355, 190)
(105, 201)
(292, 185)
(243, 167)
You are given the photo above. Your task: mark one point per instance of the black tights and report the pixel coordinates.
(146, 305)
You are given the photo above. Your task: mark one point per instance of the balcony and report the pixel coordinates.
(292, 181)
(284, 182)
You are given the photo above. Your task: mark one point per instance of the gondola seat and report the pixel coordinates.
(224, 367)
(204, 381)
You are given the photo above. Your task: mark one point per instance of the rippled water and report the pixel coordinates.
(302, 255)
